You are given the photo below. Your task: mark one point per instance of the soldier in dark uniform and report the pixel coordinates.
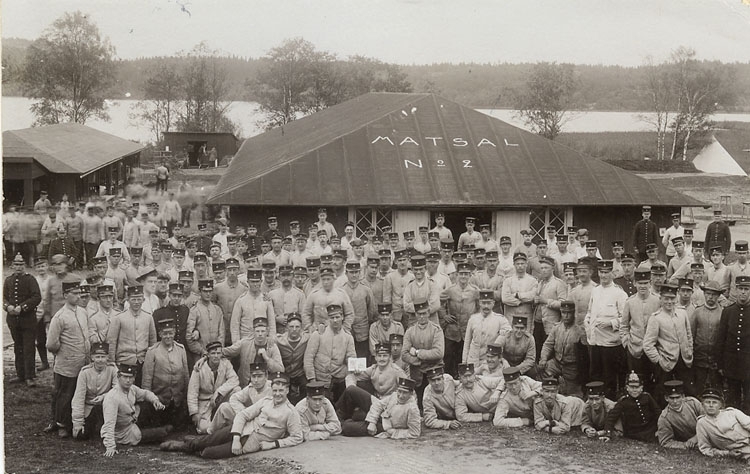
(645, 232)
(627, 281)
(252, 239)
(203, 240)
(718, 233)
(176, 311)
(637, 411)
(273, 229)
(21, 296)
(733, 346)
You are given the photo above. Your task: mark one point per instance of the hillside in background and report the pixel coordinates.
(475, 85)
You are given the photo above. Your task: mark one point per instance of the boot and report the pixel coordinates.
(174, 445)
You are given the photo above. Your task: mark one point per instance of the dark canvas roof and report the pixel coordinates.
(368, 151)
(67, 148)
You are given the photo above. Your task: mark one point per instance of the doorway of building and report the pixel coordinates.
(13, 192)
(455, 219)
(196, 151)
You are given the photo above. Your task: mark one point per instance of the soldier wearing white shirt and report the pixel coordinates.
(676, 230)
(470, 237)
(444, 233)
(505, 258)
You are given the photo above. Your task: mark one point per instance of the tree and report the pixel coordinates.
(658, 90)
(547, 98)
(162, 92)
(69, 70)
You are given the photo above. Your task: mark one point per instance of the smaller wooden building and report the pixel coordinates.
(67, 159)
(198, 144)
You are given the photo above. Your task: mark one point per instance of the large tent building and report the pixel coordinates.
(394, 159)
(62, 159)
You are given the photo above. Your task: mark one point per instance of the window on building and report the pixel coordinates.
(365, 217)
(541, 217)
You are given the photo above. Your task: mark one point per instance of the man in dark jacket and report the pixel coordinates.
(733, 346)
(64, 245)
(645, 232)
(21, 296)
(718, 233)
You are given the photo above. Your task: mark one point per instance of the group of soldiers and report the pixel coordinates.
(264, 340)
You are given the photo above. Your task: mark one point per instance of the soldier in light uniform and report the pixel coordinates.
(716, 270)
(519, 291)
(205, 321)
(558, 356)
(99, 321)
(519, 349)
(285, 299)
(381, 330)
(483, 328)
(397, 344)
(676, 425)
(652, 258)
(722, 432)
(635, 315)
(463, 301)
(680, 257)
(317, 416)
(423, 344)
(395, 416)
(259, 347)
(292, 345)
(556, 413)
(439, 400)
(258, 388)
(515, 405)
(209, 387)
(550, 292)
(581, 296)
(395, 283)
(328, 352)
(315, 312)
(595, 412)
(121, 409)
(419, 288)
(94, 381)
(474, 399)
(249, 306)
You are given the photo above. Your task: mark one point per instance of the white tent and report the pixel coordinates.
(713, 158)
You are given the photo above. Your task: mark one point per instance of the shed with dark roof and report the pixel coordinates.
(393, 158)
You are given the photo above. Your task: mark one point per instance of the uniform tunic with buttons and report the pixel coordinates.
(381, 335)
(204, 383)
(462, 303)
(565, 412)
(718, 235)
(22, 290)
(677, 426)
(638, 416)
(385, 380)
(246, 308)
(248, 396)
(394, 285)
(635, 316)
(293, 354)
(286, 301)
(607, 304)
(733, 343)
(269, 422)
(129, 337)
(327, 355)
(526, 288)
(480, 331)
(165, 372)
(439, 408)
(91, 383)
(365, 310)
(247, 350)
(404, 419)
(705, 329)
(472, 403)
(519, 351)
(208, 320)
(596, 418)
(180, 316)
(668, 338)
(120, 414)
(554, 291)
(735, 270)
(581, 296)
(326, 416)
(645, 232)
(627, 285)
(68, 339)
(429, 341)
(226, 295)
(99, 325)
(727, 431)
(512, 409)
(315, 313)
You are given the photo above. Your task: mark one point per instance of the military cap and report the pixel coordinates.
(254, 274)
(561, 239)
(383, 347)
(400, 253)
(480, 252)
(312, 262)
(327, 272)
(271, 219)
(569, 266)
(547, 260)
(717, 212)
(206, 285)
(712, 392)
(511, 373)
(353, 266)
(175, 288)
(396, 338)
(627, 257)
(37, 261)
(167, 247)
(93, 280)
(409, 234)
(470, 219)
(550, 382)
(567, 305)
(469, 247)
(742, 280)
(299, 270)
(678, 240)
(583, 231)
(541, 243)
(335, 239)
(315, 389)
(258, 367)
(321, 232)
(334, 308)
(421, 305)
(57, 258)
(740, 246)
(153, 231)
(185, 275)
(384, 253)
(300, 236)
(519, 256)
(465, 369)
(258, 322)
(167, 323)
(70, 285)
(486, 295)
(279, 377)
(268, 264)
(634, 379)
(675, 215)
(292, 316)
(232, 239)
(145, 273)
(434, 372)
(463, 267)
(115, 252)
(385, 308)
(392, 235)
(606, 265)
(446, 244)
(646, 208)
(200, 257)
(322, 210)
(373, 261)
(104, 290)
(642, 274)
(688, 232)
(218, 266)
(491, 254)
(406, 384)
(494, 349)
(519, 320)
(418, 261)
(326, 258)
(674, 387)
(526, 232)
(618, 244)
(433, 235)
(460, 255)
(586, 262)
(658, 269)
(686, 283)
(595, 388)
(215, 244)
(232, 262)
(716, 249)
(668, 290)
(712, 286)
(213, 345)
(286, 269)
(98, 260)
(572, 229)
(127, 369)
(252, 225)
(85, 288)
(179, 252)
(357, 242)
(101, 348)
(651, 246)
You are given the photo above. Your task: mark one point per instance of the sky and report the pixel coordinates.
(412, 31)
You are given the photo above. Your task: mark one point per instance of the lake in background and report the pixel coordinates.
(16, 114)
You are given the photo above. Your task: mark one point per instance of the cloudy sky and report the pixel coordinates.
(412, 31)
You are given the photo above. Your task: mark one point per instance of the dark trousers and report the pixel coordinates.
(704, 377)
(453, 353)
(172, 414)
(353, 407)
(90, 252)
(739, 393)
(41, 341)
(92, 425)
(643, 367)
(297, 389)
(24, 351)
(153, 435)
(62, 395)
(583, 363)
(679, 372)
(78, 264)
(335, 389)
(186, 216)
(606, 363)
(362, 348)
(170, 225)
(217, 445)
(539, 337)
